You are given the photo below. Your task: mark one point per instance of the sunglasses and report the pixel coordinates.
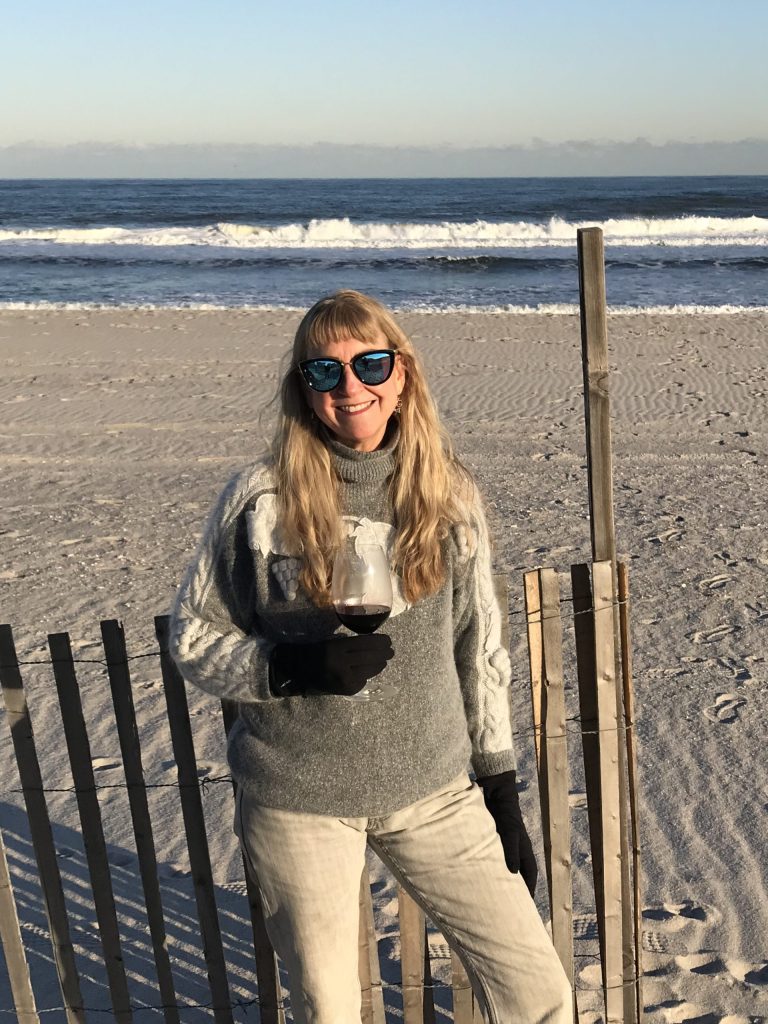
(370, 368)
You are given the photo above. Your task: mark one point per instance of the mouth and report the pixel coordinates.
(353, 410)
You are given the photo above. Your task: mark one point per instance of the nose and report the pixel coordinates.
(349, 384)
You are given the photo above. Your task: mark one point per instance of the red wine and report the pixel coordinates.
(362, 618)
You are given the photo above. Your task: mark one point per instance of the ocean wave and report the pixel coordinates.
(548, 309)
(343, 233)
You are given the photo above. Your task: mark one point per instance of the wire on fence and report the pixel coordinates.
(244, 1004)
(521, 613)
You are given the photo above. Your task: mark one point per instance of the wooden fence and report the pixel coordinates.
(605, 728)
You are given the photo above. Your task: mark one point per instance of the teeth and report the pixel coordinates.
(353, 408)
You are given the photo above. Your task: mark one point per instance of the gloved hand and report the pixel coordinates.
(500, 794)
(340, 664)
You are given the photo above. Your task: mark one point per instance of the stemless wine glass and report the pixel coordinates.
(361, 591)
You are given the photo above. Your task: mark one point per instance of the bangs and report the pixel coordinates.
(334, 324)
(340, 317)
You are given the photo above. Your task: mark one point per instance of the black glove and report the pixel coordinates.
(500, 794)
(340, 665)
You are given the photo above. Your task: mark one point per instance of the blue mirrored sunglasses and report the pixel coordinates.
(370, 368)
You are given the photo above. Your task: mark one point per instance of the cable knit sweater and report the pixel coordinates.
(447, 686)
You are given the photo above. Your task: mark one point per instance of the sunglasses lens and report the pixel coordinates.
(369, 367)
(373, 367)
(321, 374)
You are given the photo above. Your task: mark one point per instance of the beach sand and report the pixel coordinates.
(120, 427)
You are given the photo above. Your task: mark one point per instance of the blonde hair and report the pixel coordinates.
(430, 490)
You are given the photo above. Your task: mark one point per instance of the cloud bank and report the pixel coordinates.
(321, 160)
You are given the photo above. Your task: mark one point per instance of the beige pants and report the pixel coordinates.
(444, 850)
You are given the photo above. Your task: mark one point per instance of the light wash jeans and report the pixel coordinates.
(445, 851)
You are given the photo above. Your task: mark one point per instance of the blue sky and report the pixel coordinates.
(392, 74)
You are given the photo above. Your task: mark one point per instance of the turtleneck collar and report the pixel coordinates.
(356, 467)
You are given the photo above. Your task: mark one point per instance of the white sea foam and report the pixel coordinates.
(547, 309)
(343, 233)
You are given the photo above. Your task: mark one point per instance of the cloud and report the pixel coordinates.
(537, 158)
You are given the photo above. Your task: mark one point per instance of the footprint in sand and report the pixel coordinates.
(747, 973)
(673, 917)
(168, 871)
(712, 636)
(665, 536)
(725, 556)
(714, 582)
(120, 858)
(701, 963)
(726, 708)
(737, 669)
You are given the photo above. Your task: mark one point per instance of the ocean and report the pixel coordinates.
(476, 243)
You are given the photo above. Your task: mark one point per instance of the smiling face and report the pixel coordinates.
(356, 414)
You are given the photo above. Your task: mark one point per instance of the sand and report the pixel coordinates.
(119, 428)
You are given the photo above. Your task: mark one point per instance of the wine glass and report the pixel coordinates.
(361, 591)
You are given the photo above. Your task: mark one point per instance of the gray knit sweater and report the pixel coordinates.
(448, 682)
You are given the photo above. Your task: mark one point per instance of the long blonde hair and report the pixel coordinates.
(429, 491)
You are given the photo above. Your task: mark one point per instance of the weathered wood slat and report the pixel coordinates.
(501, 589)
(81, 762)
(271, 1008)
(629, 722)
(370, 970)
(412, 952)
(13, 948)
(463, 997)
(584, 631)
(594, 334)
(113, 638)
(558, 835)
(40, 828)
(609, 743)
(194, 826)
(535, 656)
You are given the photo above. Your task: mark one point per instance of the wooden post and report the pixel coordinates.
(629, 721)
(584, 631)
(13, 948)
(535, 655)
(594, 338)
(267, 974)
(90, 821)
(555, 758)
(113, 639)
(418, 1006)
(369, 969)
(194, 826)
(609, 746)
(463, 997)
(40, 828)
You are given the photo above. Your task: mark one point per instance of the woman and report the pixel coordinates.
(359, 449)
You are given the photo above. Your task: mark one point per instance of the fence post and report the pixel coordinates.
(418, 1005)
(267, 972)
(81, 762)
(369, 968)
(194, 826)
(13, 948)
(609, 745)
(555, 755)
(40, 828)
(594, 336)
(113, 640)
(629, 713)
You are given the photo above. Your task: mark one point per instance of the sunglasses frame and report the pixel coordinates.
(392, 352)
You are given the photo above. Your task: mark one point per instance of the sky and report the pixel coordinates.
(241, 84)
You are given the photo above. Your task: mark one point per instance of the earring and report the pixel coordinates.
(399, 406)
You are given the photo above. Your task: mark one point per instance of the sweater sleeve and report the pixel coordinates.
(481, 661)
(213, 636)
